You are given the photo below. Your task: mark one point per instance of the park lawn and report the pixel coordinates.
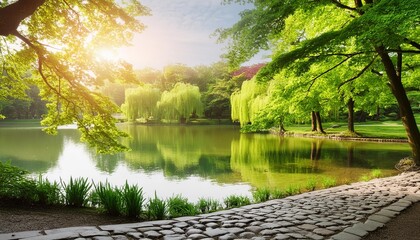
(369, 129)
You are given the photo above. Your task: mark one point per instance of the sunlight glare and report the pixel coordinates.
(108, 55)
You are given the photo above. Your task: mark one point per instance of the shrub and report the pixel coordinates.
(47, 193)
(156, 209)
(14, 185)
(179, 206)
(76, 192)
(261, 194)
(133, 200)
(207, 205)
(328, 182)
(236, 201)
(109, 198)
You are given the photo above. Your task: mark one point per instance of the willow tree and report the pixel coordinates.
(180, 103)
(141, 102)
(379, 31)
(247, 102)
(54, 44)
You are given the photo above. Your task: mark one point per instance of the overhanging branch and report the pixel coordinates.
(329, 70)
(360, 73)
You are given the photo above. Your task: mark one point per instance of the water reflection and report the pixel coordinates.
(198, 161)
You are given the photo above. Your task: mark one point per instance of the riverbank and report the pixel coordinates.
(344, 212)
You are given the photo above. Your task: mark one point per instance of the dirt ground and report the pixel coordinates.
(16, 219)
(13, 219)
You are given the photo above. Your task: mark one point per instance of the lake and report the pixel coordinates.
(197, 161)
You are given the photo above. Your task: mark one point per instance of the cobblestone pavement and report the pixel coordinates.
(344, 212)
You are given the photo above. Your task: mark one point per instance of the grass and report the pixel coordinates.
(108, 198)
(47, 193)
(235, 201)
(328, 182)
(179, 206)
(261, 194)
(133, 200)
(77, 192)
(208, 205)
(156, 208)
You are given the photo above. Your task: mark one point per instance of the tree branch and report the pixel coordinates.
(12, 15)
(329, 70)
(412, 43)
(359, 74)
(340, 5)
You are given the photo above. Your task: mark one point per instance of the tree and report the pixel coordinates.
(141, 102)
(379, 31)
(180, 103)
(56, 42)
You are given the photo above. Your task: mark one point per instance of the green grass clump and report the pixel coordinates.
(208, 205)
(261, 195)
(236, 201)
(310, 184)
(179, 206)
(133, 200)
(109, 198)
(292, 190)
(47, 193)
(278, 193)
(328, 182)
(156, 208)
(77, 192)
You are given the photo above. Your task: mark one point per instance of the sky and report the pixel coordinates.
(179, 31)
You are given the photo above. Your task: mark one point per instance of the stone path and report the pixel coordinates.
(344, 213)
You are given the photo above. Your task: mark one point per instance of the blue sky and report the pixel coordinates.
(179, 31)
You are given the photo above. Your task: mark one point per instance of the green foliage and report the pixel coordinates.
(179, 206)
(156, 208)
(328, 182)
(278, 193)
(261, 195)
(292, 190)
(47, 193)
(207, 205)
(311, 184)
(109, 198)
(77, 192)
(141, 102)
(180, 102)
(64, 39)
(15, 185)
(133, 200)
(234, 201)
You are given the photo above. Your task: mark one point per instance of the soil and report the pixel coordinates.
(26, 218)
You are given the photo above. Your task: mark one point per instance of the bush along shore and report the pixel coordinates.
(128, 200)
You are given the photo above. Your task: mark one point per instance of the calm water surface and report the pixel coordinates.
(197, 161)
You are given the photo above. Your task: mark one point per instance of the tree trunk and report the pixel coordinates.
(350, 118)
(397, 88)
(319, 123)
(378, 113)
(313, 121)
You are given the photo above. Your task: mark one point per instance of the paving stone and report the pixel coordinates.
(215, 232)
(254, 229)
(71, 229)
(194, 231)
(173, 237)
(379, 218)
(19, 235)
(177, 230)
(152, 234)
(181, 224)
(94, 233)
(136, 235)
(281, 236)
(54, 236)
(296, 235)
(102, 238)
(345, 236)
(147, 229)
(246, 235)
(387, 213)
(124, 226)
(374, 224)
(268, 232)
(395, 208)
(323, 232)
(326, 224)
(167, 232)
(196, 236)
(358, 231)
(212, 225)
(308, 227)
(314, 236)
(228, 236)
(120, 237)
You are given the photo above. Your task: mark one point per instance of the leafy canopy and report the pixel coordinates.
(54, 44)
